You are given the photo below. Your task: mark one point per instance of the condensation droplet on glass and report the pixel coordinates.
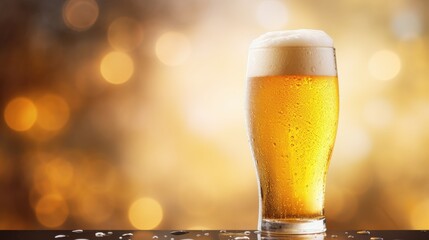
(155, 237)
(257, 232)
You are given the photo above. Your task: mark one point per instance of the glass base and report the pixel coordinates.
(293, 226)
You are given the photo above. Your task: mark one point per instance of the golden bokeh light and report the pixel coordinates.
(145, 213)
(151, 95)
(93, 207)
(20, 114)
(125, 34)
(53, 112)
(54, 175)
(117, 67)
(384, 65)
(407, 23)
(419, 215)
(173, 48)
(52, 210)
(80, 15)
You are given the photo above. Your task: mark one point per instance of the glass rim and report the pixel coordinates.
(296, 47)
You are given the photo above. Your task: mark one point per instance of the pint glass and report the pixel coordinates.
(292, 115)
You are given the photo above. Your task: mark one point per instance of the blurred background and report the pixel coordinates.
(130, 114)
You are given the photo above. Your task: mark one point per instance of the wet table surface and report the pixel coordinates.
(207, 235)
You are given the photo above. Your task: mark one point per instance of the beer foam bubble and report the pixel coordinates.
(293, 38)
(295, 52)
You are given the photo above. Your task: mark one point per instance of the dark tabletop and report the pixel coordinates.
(207, 235)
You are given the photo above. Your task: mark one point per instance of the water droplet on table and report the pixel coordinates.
(247, 232)
(100, 234)
(242, 238)
(77, 231)
(206, 234)
(334, 236)
(364, 232)
(180, 232)
(60, 236)
(222, 231)
(350, 236)
(376, 238)
(155, 237)
(127, 234)
(257, 232)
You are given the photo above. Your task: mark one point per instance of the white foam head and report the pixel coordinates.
(293, 52)
(293, 38)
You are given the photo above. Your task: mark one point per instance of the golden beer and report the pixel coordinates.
(292, 120)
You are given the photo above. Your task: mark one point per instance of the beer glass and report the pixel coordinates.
(292, 116)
